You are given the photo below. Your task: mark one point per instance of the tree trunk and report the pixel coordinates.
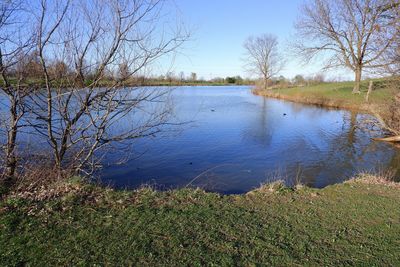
(389, 139)
(357, 81)
(265, 83)
(8, 179)
(11, 163)
(371, 84)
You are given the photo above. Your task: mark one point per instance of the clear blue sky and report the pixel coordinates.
(220, 27)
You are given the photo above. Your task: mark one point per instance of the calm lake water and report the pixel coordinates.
(235, 141)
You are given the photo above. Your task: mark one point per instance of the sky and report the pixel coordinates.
(220, 27)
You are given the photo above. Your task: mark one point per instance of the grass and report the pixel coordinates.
(337, 95)
(355, 223)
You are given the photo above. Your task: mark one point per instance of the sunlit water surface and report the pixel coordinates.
(234, 141)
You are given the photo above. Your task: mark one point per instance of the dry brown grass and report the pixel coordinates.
(393, 116)
(40, 182)
(269, 188)
(39, 175)
(386, 178)
(320, 101)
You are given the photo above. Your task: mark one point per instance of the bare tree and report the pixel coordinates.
(352, 33)
(299, 80)
(15, 44)
(99, 35)
(262, 57)
(59, 70)
(390, 61)
(193, 76)
(170, 77)
(28, 66)
(86, 50)
(123, 71)
(181, 77)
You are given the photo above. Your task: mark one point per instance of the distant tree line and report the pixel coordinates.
(297, 81)
(181, 79)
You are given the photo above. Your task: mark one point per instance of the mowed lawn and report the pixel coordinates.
(355, 223)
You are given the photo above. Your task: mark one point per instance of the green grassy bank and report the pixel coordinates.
(336, 95)
(355, 223)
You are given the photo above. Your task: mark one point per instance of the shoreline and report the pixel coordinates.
(314, 101)
(339, 96)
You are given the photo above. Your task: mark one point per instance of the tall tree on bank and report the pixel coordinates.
(353, 33)
(262, 56)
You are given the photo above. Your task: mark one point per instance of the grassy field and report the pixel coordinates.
(337, 95)
(355, 223)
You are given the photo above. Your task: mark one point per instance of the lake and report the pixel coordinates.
(234, 141)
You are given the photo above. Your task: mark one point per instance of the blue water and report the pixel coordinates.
(232, 141)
